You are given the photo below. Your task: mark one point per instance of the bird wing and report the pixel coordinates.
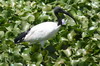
(21, 36)
(41, 32)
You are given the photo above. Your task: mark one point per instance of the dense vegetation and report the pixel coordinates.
(74, 45)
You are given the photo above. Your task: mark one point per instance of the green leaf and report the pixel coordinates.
(71, 35)
(17, 64)
(1, 34)
(67, 52)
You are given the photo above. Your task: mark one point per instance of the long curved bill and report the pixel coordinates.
(69, 15)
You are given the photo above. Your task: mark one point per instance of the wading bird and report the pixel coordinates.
(43, 31)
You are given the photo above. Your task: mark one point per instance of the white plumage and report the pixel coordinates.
(43, 31)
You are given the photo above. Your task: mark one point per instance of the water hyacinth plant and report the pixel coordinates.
(74, 45)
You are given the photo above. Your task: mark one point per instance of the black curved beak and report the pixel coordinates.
(68, 15)
(58, 10)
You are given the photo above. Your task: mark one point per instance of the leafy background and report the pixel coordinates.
(74, 45)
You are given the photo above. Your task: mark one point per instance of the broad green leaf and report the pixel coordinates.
(17, 64)
(71, 35)
(1, 34)
(68, 52)
(47, 7)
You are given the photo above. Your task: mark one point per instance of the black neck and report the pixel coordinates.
(59, 19)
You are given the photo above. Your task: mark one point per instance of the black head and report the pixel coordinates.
(58, 10)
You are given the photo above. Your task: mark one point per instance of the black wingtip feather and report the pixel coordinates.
(20, 37)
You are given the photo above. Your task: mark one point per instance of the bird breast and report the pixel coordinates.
(42, 32)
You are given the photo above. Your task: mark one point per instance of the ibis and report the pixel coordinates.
(43, 31)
